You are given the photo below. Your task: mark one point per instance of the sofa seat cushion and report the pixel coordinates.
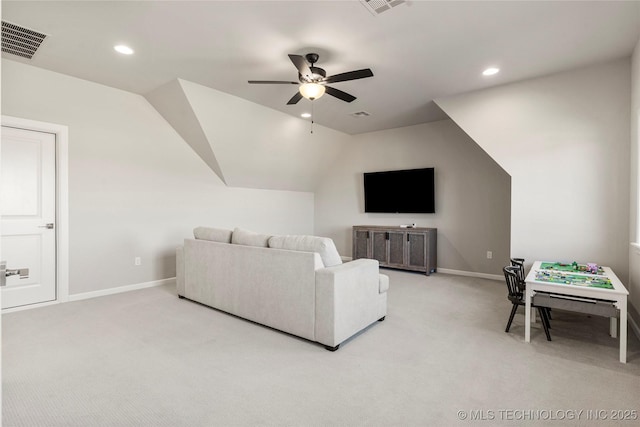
(249, 238)
(322, 245)
(214, 234)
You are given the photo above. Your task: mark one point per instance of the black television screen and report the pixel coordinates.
(400, 191)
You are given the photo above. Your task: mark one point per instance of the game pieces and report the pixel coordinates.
(573, 279)
(589, 268)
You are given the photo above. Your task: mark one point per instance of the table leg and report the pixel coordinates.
(527, 314)
(623, 329)
(613, 327)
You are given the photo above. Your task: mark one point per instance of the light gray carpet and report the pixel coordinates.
(147, 358)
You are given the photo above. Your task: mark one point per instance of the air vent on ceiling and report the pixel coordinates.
(20, 41)
(378, 6)
(360, 114)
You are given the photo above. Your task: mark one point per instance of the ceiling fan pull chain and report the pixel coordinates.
(312, 117)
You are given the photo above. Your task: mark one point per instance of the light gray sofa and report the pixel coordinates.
(296, 284)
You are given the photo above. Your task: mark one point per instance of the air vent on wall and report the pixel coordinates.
(378, 6)
(20, 41)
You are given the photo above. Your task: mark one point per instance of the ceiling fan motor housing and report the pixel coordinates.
(317, 75)
(312, 58)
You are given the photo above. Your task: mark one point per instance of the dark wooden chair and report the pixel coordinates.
(519, 262)
(516, 295)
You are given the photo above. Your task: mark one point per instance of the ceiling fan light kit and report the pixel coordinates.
(312, 91)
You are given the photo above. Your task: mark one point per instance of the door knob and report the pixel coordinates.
(48, 226)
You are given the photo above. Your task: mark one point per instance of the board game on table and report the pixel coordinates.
(591, 281)
(573, 267)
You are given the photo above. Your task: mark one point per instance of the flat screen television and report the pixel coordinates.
(400, 191)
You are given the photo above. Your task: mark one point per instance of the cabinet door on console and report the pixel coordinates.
(417, 250)
(396, 248)
(360, 244)
(380, 246)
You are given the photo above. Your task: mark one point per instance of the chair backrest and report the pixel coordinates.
(519, 262)
(513, 281)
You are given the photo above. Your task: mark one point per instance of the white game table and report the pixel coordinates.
(581, 295)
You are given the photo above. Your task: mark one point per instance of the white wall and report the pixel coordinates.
(472, 193)
(564, 139)
(250, 146)
(135, 187)
(634, 231)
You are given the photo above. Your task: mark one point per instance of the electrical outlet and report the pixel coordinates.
(137, 261)
(489, 255)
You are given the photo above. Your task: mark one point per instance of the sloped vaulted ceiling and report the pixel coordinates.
(171, 102)
(246, 144)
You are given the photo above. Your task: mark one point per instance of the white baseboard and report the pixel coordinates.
(94, 294)
(456, 272)
(633, 325)
(28, 307)
(120, 289)
(471, 274)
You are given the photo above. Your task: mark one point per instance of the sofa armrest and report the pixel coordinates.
(348, 299)
(350, 270)
(180, 270)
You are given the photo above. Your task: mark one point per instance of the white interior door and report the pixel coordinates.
(27, 215)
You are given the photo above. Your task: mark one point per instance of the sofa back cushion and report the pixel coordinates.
(322, 245)
(215, 234)
(249, 238)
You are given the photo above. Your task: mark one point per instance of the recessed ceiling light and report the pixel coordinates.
(125, 50)
(491, 71)
(305, 115)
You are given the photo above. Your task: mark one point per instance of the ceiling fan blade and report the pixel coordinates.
(339, 94)
(301, 65)
(350, 75)
(295, 98)
(271, 82)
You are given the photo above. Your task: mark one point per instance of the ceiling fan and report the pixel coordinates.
(313, 80)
